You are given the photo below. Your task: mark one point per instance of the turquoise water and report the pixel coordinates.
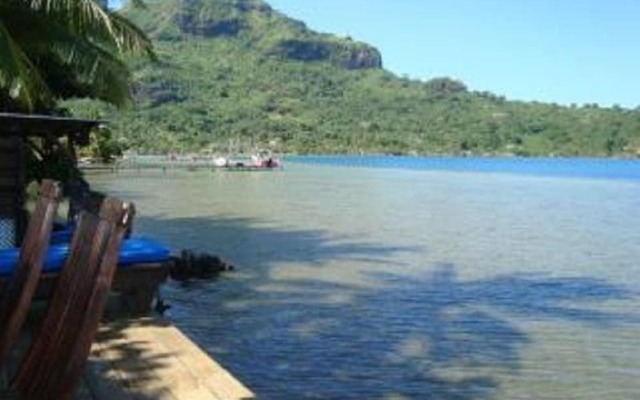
(389, 278)
(556, 167)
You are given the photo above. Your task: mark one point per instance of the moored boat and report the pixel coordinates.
(265, 159)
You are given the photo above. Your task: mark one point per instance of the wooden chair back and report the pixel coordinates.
(57, 356)
(17, 295)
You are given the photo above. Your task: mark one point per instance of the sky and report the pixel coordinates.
(562, 51)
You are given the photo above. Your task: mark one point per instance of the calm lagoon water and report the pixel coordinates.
(409, 278)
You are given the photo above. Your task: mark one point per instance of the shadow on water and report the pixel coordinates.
(260, 245)
(411, 336)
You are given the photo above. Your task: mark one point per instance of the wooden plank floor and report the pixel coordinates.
(145, 359)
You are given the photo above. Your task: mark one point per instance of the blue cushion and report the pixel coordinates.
(61, 236)
(142, 250)
(133, 251)
(8, 260)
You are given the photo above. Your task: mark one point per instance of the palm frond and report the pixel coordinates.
(88, 18)
(18, 76)
(100, 73)
(133, 37)
(67, 48)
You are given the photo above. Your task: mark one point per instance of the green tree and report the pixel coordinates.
(58, 49)
(52, 50)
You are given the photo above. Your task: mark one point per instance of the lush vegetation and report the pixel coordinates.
(57, 49)
(237, 74)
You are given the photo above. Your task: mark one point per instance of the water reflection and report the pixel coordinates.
(266, 250)
(386, 335)
(407, 285)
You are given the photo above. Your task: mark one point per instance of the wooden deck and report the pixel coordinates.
(147, 358)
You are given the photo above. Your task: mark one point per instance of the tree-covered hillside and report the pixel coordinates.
(239, 73)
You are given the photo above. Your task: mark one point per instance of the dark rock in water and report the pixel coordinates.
(161, 306)
(192, 265)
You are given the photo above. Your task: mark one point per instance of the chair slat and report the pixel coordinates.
(59, 351)
(16, 300)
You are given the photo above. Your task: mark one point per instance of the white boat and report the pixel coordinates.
(221, 162)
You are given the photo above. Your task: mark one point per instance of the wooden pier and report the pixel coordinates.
(165, 164)
(150, 359)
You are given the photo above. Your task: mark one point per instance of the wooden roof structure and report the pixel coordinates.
(13, 124)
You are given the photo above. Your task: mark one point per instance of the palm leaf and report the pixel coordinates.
(85, 68)
(88, 18)
(105, 76)
(18, 76)
(68, 47)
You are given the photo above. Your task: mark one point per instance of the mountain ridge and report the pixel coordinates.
(249, 19)
(237, 74)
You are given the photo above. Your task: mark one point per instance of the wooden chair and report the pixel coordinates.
(57, 356)
(16, 298)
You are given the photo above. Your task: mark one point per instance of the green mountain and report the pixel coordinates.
(237, 73)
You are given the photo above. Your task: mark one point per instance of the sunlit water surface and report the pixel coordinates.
(385, 283)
